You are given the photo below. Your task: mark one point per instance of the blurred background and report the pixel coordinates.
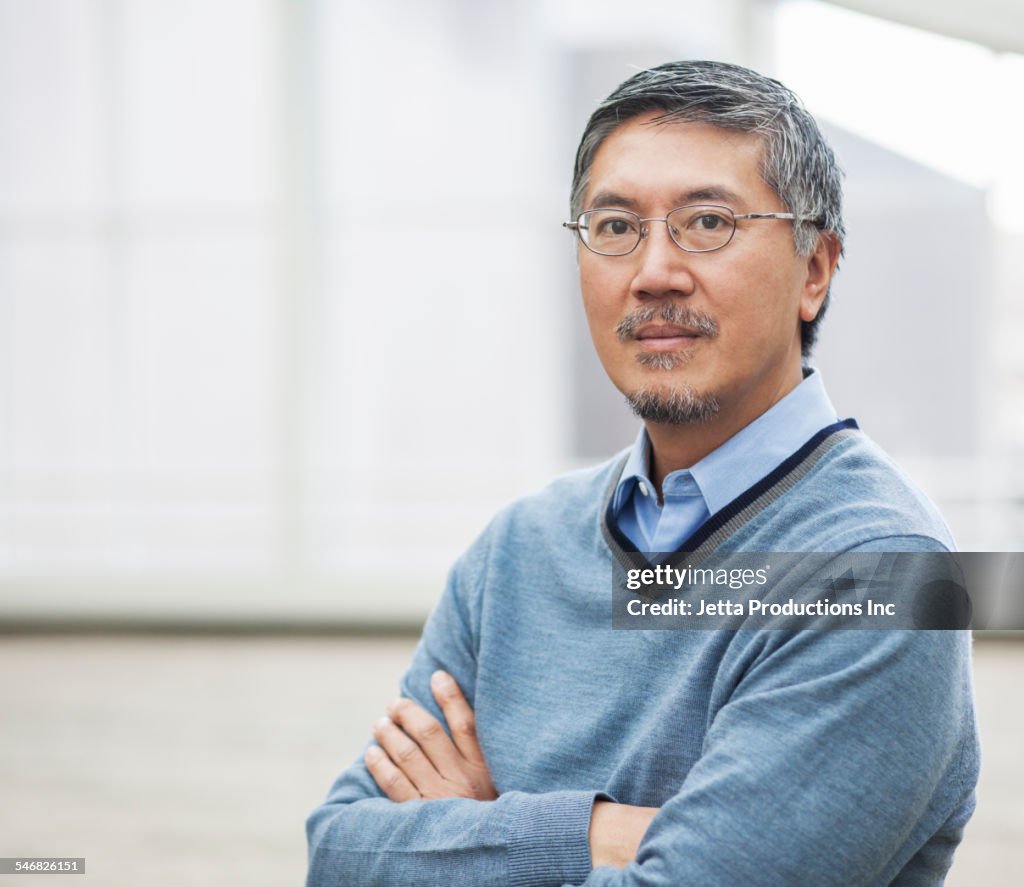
(245, 426)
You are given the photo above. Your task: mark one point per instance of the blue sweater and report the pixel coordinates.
(776, 757)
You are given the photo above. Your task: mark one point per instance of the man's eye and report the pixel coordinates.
(615, 227)
(708, 222)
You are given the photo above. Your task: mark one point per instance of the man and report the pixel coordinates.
(707, 208)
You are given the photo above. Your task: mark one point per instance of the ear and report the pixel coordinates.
(821, 265)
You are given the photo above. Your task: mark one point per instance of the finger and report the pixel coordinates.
(428, 734)
(458, 714)
(392, 781)
(406, 755)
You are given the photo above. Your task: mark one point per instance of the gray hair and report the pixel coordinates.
(798, 164)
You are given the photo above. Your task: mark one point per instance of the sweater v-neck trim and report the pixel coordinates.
(727, 521)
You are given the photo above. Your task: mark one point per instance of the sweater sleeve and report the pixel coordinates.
(359, 837)
(836, 760)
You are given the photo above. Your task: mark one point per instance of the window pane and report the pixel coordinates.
(196, 81)
(51, 107)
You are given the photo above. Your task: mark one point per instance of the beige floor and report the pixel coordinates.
(193, 761)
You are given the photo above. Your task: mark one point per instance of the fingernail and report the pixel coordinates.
(381, 723)
(372, 753)
(441, 679)
(392, 705)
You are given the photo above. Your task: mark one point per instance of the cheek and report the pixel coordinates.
(604, 277)
(599, 298)
(592, 287)
(601, 322)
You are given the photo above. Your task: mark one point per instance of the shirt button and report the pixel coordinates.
(643, 489)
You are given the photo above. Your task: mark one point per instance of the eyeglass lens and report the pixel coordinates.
(615, 232)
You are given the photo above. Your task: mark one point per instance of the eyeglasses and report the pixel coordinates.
(696, 229)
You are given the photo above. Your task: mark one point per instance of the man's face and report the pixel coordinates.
(719, 332)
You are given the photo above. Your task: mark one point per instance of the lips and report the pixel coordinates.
(666, 336)
(667, 323)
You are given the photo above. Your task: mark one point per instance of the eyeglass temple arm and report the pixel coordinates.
(766, 216)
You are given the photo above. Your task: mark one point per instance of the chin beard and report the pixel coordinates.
(678, 405)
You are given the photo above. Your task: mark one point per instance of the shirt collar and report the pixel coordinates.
(635, 471)
(745, 457)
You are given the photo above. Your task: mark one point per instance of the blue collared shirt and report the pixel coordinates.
(692, 495)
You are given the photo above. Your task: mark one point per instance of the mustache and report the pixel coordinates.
(669, 312)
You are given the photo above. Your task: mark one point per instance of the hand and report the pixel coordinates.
(417, 759)
(616, 831)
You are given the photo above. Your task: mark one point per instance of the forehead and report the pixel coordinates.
(645, 161)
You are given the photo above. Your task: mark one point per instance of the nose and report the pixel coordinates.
(662, 267)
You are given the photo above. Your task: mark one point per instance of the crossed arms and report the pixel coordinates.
(417, 760)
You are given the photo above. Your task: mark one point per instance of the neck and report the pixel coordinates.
(674, 447)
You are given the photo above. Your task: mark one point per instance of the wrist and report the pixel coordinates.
(616, 831)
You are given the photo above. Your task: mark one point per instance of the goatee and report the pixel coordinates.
(678, 405)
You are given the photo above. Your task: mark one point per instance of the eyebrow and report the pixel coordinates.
(714, 193)
(610, 198)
